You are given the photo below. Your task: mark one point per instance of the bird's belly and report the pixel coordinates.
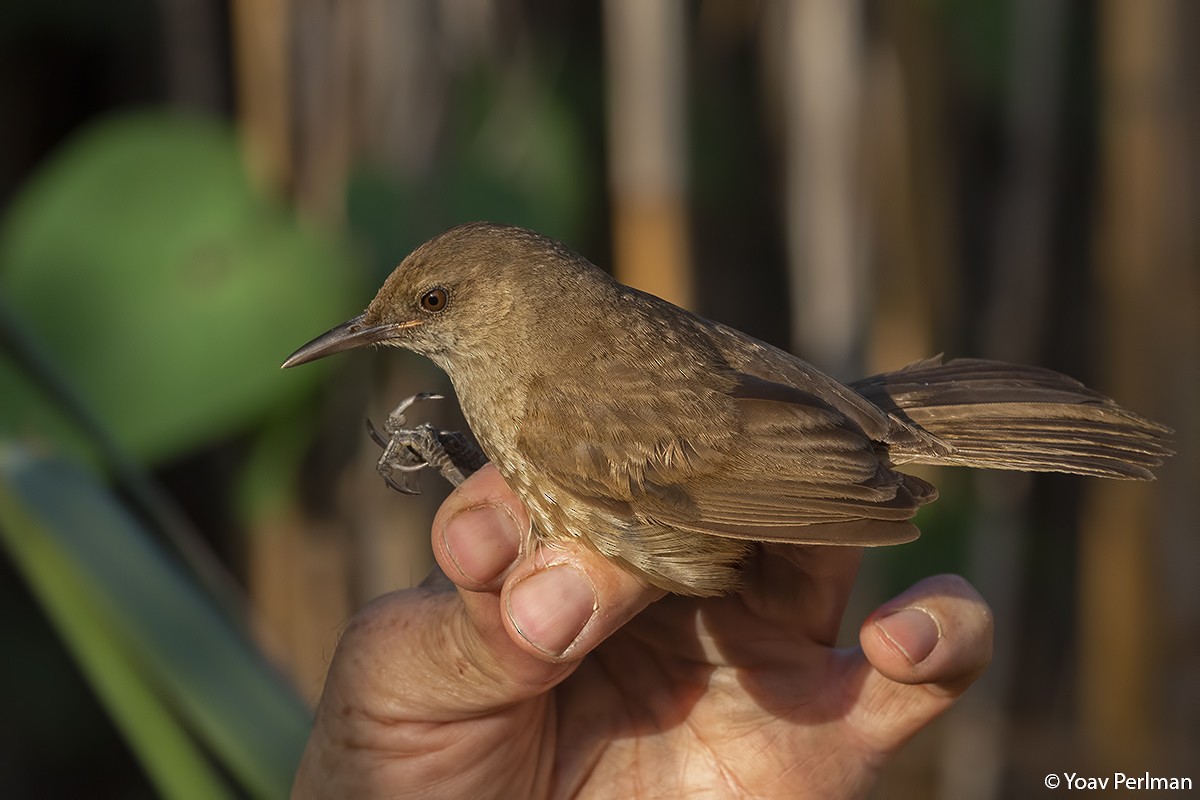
(554, 517)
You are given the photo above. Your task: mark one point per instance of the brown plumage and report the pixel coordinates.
(671, 443)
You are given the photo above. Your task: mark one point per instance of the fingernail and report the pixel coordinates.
(913, 631)
(482, 541)
(550, 608)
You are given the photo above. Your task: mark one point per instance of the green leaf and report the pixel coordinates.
(162, 658)
(164, 286)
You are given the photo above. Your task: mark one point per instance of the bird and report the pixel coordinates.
(673, 444)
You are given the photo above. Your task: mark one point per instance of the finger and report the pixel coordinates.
(556, 600)
(479, 530)
(428, 654)
(938, 634)
(517, 626)
(567, 599)
(920, 652)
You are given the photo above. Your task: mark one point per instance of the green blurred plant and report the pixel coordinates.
(197, 703)
(163, 285)
(148, 296)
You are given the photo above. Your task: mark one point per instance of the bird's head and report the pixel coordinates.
(466, 293)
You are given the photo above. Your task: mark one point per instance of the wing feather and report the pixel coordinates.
(756, 460)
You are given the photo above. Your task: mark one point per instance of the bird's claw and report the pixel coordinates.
(409, 450)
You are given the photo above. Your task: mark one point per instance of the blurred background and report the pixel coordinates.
(190, 189)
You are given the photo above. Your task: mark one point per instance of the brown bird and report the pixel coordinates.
(672, 443)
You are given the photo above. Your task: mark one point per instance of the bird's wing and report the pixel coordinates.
(753, 460)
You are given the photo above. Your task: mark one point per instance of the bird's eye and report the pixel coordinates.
(435, 300)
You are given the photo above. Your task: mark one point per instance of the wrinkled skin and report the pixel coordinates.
(511, 685)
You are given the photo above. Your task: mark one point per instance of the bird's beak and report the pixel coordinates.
(350, 334)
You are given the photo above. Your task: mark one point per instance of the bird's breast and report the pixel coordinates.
(554, 513)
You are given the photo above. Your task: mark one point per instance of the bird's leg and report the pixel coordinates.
(409, 450)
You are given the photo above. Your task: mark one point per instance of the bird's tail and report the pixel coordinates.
(994, 415)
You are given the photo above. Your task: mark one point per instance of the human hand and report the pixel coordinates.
(558, 674)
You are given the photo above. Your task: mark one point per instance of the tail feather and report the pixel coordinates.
(995, 415)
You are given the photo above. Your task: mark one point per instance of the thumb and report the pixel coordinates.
(920, 652)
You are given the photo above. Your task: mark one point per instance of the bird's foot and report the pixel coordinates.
(407, 451)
